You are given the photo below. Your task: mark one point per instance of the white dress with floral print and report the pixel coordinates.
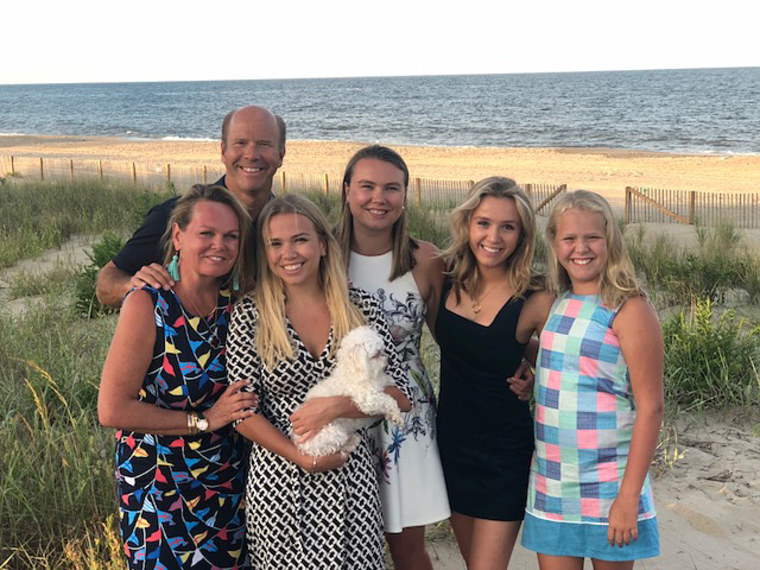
(412, 488)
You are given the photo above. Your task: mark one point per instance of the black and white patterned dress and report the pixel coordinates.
(328, 520)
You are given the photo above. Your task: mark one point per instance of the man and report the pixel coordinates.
(253, 146)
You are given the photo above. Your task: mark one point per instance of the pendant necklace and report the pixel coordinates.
(476, 304)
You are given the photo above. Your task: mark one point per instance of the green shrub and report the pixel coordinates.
(103, 251)
(710, 360)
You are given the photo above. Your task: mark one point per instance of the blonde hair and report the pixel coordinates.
(618, 279)
(182, 215)
(403, 245)
(463, 267)
(271, 338)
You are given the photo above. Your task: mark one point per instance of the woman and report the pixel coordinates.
(406, 276)
(179, 464)
(304, 511)
(485, 433)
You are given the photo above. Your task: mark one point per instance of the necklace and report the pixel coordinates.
(194, 308)
(476, 304)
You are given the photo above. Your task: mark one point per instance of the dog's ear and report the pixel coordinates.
(355, 359)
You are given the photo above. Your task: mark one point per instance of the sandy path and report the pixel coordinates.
(607, 171)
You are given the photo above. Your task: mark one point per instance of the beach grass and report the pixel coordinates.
(720, 266)
(56, 462)
(41, 215)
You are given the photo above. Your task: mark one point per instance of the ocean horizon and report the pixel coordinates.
(695, 111)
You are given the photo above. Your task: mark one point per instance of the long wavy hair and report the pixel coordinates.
(618, 279)
(403, 245)
(182, 214)
(272, 341)
(463, 267)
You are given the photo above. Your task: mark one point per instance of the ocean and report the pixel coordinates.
(714, 111)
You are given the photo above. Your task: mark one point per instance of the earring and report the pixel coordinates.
(235, 281)
(173, 267)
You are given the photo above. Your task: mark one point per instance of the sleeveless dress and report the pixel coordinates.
(297, 520)
(179, 496)
(485, 433)
(412, 488)
(584, 423)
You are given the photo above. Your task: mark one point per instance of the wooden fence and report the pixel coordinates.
(690, 207)
(432, 193)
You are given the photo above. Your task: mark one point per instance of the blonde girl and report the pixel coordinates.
(598, 397)
(303, 511)
(485, 433)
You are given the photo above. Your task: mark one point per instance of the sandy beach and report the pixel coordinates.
(607, 171)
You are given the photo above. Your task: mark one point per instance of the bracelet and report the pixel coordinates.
(192, 423)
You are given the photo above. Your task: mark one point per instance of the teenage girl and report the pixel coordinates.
(485, 432)
(599, 401)
(405, 275)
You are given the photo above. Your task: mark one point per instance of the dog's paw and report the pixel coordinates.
(394, 416)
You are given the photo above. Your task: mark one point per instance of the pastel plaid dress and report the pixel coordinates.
(583, 427)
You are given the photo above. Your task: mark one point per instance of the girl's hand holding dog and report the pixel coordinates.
(313, 464)
(234, 404)
(313, 415)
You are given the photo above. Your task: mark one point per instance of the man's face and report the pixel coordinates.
(251, 154)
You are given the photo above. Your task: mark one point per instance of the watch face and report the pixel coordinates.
(202, 424)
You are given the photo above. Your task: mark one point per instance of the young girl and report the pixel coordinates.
(598, 398)
(485, 432)
(405, 275)
(304, 511)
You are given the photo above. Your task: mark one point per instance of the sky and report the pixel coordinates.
(76, 41)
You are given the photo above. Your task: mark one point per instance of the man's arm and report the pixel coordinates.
(113, 283)
(137, 263)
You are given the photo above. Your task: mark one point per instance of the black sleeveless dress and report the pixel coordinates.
(485, 433)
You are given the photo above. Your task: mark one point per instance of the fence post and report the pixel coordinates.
(205, 174)
(529, 190)
(692, 206)
(134, 174)
(42, 170)
(627, 206)
(168, 174)
(13, 167)
(418, 191)
(326, 185)
(283, 187)
(100, 169)
(71, 168)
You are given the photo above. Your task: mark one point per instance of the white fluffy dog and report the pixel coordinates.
(359, 373)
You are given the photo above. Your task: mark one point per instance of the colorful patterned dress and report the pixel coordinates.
(298, 520)
(584, 423)
(179, 496)
(412, 488)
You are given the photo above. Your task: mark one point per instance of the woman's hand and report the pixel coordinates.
(312, 416)
(313, 464)
(623, 527)
(234, 404)
(522, 381)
